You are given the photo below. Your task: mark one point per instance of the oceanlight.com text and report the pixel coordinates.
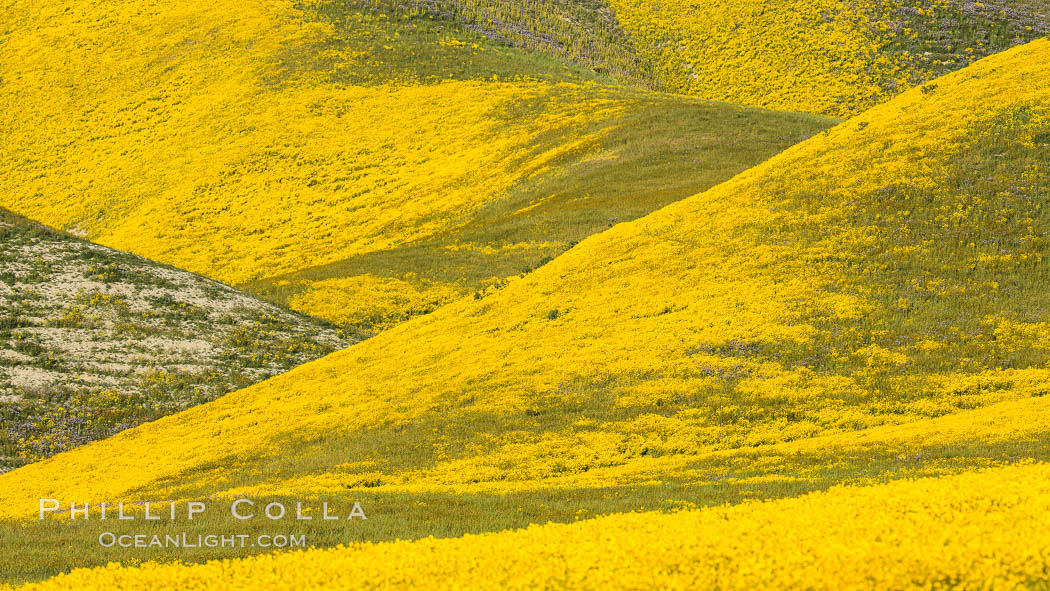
(187, 540)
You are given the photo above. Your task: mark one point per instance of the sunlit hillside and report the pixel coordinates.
(888, 272)
(983, 530)
(330, 154)
(820, 56)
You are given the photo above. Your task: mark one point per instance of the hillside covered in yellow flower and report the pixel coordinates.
(888, 272)
(357, 165)
(368, 161)
(819, 56)
(981, 530)
(612, 311)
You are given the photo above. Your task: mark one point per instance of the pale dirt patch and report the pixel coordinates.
(14, 356)
(177, 346)
(34, 378)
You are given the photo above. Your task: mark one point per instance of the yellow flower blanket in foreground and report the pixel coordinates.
(980, 530)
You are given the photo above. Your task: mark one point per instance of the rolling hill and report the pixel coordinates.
(94, 341)
(868, 305)
(328, 155)
(368, 161)
(819, 56)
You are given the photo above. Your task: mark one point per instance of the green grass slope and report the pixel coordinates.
(866, 306)
(359, 147)
(430, 42)
(581, 32)
(94, 341)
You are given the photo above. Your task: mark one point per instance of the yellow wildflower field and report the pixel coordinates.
(979, 530)
(203, 153)
(738, 321)
(249, 142)
(828, 371)
(375, 302)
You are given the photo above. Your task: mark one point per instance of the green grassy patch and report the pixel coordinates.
(660, 150)
(40, 549)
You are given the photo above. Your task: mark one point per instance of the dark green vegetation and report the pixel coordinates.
(94, 341)
(583, 39)
(659, 150)
(376, 45)
(420, 40)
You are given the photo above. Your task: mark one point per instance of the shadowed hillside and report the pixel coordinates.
(582, 32)
(658, 150)
(94, 341)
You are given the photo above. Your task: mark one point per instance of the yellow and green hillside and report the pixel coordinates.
(585, 33)
(866, 306)
(819, 56)
(368, 161)
(983, 530)
(329, 154)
